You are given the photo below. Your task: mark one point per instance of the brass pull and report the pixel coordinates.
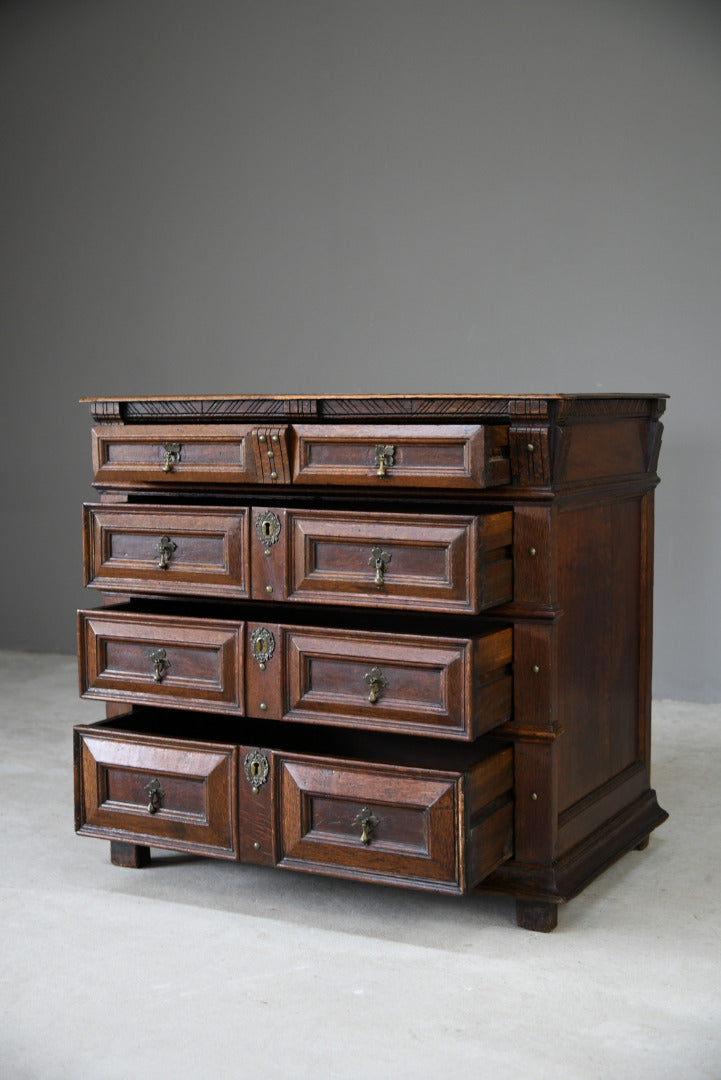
(367, 821)
(161, 663)
(172, 455)
(155, 793)
(377, 682)
(165, 548)
(380, 560)
(384, 459)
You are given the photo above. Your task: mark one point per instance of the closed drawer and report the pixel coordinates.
(167, 550)
(452, 687)
(395, 455)
(425, 828)
(427, 562)
(169, 793)
(187, 663)
(148, 455)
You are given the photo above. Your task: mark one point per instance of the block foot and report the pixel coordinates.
(536, 915)
(135, 856)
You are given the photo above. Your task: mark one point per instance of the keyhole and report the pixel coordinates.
(267, 531)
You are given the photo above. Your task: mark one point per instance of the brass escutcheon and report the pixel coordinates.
(155, 793)
(377, 682)
(256, 768)
(262, 646)
(165, 548)
(384, 459)
(367, 821)
(380, 560)
(171, 455)
(267, 527)
(161, 664)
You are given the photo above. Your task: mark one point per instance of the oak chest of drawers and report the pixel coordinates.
(401, 639)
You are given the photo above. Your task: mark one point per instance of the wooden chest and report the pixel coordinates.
(400, 639)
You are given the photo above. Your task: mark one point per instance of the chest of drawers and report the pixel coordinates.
(401, 639)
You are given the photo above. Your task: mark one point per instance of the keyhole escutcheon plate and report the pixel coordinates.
(267, 528)
(256, 768)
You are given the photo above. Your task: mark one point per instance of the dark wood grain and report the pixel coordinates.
(508, 753)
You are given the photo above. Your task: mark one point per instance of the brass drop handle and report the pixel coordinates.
(367, 821)
(172, 455)
(155, 793)
(377, 682)
(380, 559)
(384, 459)
(161, 664)
(165, 548)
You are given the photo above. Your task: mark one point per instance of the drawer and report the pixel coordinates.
(446, 563)
(187, 663)
(420, 827)
(452, 687)
(166, 550)
(147, 455)
(386, 809)
(401, 455)
(449, 687)
(169, 793)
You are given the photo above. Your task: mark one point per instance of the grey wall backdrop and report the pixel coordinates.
(385, 195)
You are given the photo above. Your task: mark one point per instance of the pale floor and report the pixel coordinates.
(195, 968)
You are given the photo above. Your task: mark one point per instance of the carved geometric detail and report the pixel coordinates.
(272, 455)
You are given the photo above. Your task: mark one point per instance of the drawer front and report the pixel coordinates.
(394, 455)
(146, 455)
(166, 550)
(426, 562)
(376, 822)
(421, 827)
(450, 687)
(455, 688)
(162, 792)
(155, 659)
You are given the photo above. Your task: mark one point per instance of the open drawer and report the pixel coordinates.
(401, 455)
(147, 455)
(453, 563)
(457, 687)
(173, 793)
(383, 809)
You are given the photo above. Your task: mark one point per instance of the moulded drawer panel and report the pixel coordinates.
(157, 659)
(451, 687)
(165, 792)
(145, 455)
(173, 550)
(423, 828)
(427, 562)
(395, 455)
